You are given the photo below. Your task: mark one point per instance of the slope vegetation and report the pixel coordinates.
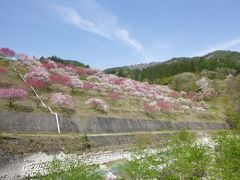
(80, 91)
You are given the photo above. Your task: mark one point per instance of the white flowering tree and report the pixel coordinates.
(62, 100)
(97, 103)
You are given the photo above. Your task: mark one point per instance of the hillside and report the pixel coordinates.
(80, 91)
(154, 73)
(99, 111)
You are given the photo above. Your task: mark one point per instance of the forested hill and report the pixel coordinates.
(217, 60)
(64, 61)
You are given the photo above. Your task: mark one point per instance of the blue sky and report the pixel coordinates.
(110, 33)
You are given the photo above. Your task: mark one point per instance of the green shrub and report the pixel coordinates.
(233, 101)
(227, 157)
(221, 73)
(209, 74)
(181, 160)
(165, 80)
(72, 169)
(85, 140)
(185, 82)
(233, 118)
(4, 62)
(190, 162)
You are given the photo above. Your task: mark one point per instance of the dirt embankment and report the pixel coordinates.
(20, 144)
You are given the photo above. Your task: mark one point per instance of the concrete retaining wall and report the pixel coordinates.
(111, 125)
(26, 122)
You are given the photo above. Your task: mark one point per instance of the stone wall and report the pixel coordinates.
(113, 125)
(27, 122)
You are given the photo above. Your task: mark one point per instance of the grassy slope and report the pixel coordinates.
(128, 107)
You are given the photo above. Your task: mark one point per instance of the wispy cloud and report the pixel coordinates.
(222, 46)
(92, 17)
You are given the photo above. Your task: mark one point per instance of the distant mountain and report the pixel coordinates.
(143, 65)
(157, 70)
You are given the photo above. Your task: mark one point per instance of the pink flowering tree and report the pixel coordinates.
(164, 105)
(81, 71)
(38, 73)
(175, 94)
(6, 52)
(62, 100)
(12, 94)
(90, 71)
(87, 86)
(60, 65)
(29, 62)
(60, 79)
(96, 103)
(3, 70)
(149, 108)
(114, 95)
(36, 83)
(74, 82)
(49, 65)
(37, 77)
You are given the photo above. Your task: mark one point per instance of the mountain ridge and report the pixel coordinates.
(167, 69)
(141, 66)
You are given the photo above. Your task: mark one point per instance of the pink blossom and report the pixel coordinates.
(175, 94)
(74, 82)
(61, 99)
(71, 69)
(81, 71)
(29, 62)
(210, 92)
(164, 105)
(88, 86)
(22, 56)
(12, 94)
(3, 70)
(149, 108)
(38, 73)
(6, 52)
(49, 65)
(90, 71)
(97, 104)
(60, 79)
(36, 83)
(114, 95)
(60, 65)
(192, 96)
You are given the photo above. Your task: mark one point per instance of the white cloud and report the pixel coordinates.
(91, 16)
(222, 46)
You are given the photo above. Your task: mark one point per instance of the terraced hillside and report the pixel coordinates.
(80, 91)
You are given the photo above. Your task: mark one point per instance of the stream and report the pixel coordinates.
(26, 166)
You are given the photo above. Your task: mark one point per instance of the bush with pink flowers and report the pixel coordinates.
(114, 95)
(150, 108)
(63, 100)
(38, 73)
(6, 52)
(36, 83)
(3, 70)
(87, 86)
(12, 94)
(97, 103)
(60, 79)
